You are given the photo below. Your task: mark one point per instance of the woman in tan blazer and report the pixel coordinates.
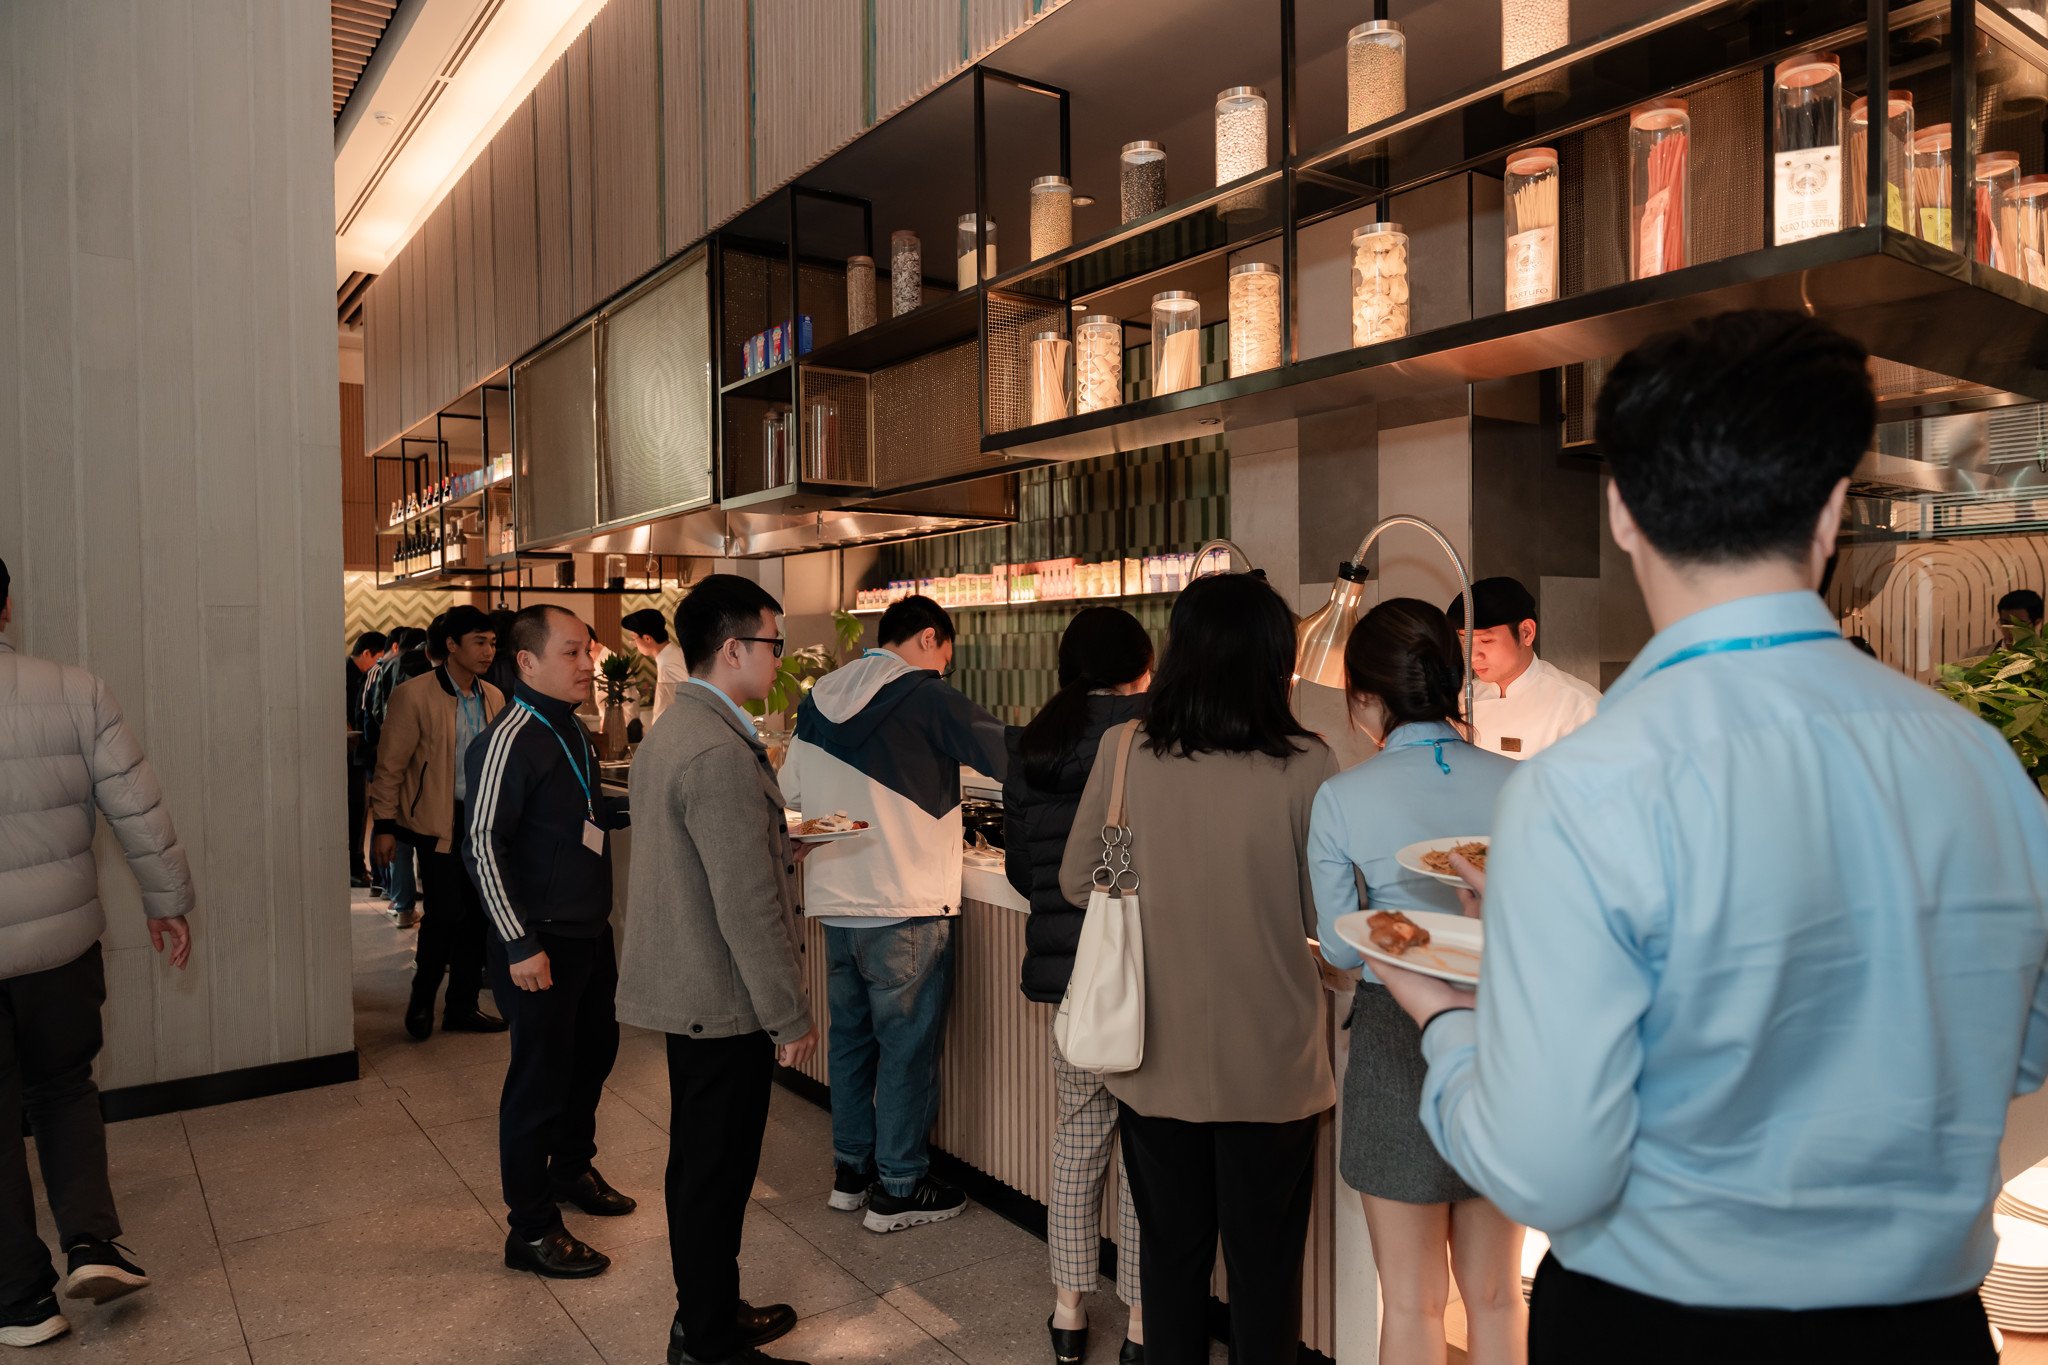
(1219, 1121)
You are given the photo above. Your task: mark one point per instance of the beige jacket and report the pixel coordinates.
(1233, 1002)
(65, 753)
(413, 793)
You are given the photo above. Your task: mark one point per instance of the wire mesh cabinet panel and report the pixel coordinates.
(834, 440)
(555, 440)
(655, 366)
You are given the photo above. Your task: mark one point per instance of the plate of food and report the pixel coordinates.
(1432, 857)
(1426, 941)
(820, 829)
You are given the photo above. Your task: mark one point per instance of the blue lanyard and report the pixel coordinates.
(574, 766)
(1747, 642)
(1437, 744)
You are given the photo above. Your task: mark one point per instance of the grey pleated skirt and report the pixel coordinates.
(1385, 1152)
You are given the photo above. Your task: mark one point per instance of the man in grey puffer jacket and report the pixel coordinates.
(65, 753)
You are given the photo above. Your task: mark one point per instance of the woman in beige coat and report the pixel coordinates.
(1219, 1122)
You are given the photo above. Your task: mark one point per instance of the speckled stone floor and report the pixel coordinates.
(362, 1222)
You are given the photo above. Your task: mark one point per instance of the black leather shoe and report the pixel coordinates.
(419, 1016)
(1133, 1353)
(1068, 1347)
(472, 1021)
(759, 1326)
(745, 1355)
(558, 1256)
(590, 1193)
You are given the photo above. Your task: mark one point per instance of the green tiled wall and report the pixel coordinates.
(1167, 498)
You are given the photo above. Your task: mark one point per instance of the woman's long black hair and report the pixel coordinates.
(1103, 647)
(1224, 684)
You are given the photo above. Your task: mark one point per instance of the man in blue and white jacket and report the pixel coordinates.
(883, 739)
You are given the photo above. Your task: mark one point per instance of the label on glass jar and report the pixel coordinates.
(1808, 199)
(1894, 207)
(1532, 267)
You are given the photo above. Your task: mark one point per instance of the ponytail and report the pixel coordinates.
(1103, 647)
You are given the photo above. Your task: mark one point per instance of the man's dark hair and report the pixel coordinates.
(2023, 602)
(531, 628)
(409, 637)
(454, 623)
(5, 582)
(1727, 437)
(646, 621)
(1223, 685)
(372, 640)
(910, 617)
(722, 607)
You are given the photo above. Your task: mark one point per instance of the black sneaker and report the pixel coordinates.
(99, 1271)
(850, 1187)
(32, 1323)
(933, 1201)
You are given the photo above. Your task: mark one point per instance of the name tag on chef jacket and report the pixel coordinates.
(593, 838)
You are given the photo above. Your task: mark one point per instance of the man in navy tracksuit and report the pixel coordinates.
(540, 855)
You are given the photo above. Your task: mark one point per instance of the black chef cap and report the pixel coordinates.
(1495, 602)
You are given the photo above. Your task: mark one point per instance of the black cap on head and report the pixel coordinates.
(1495, 602)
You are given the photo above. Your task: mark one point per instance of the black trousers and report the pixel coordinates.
(564, 1041)
(718, 1112)
(1250, 1184)
(49, 1035)
(452, 932)
(1576, 1319)
(358, 820)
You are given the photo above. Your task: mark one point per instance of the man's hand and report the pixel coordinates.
(178, 933)
(533, 974)
(384, 849)
(800, 849)
(1421, 996)
(800, 1051)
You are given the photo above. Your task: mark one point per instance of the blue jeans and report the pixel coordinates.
(401, 880)
(889, 988)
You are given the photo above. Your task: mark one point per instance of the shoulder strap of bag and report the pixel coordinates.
(1117, 812)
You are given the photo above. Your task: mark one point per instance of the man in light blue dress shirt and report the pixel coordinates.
(1765, 939)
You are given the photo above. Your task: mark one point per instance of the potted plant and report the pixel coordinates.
(2009, 688)
(616, 674)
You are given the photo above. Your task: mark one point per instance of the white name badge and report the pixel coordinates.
(593, 838)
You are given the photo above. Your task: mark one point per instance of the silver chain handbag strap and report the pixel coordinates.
(1115, 873)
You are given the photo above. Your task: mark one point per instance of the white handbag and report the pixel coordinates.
(1100, 1026)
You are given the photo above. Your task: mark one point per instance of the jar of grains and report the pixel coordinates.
(860, 293)
(1241, 147)
(1379, 283)
(1098, 362)
(906, 273)
(1376, 73)
(1254, 317)
(1141, 175)
(1052, 215)
(963, 250)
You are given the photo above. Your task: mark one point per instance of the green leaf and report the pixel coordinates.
(2024, 719)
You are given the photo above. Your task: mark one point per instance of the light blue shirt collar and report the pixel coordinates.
(738, 711)
(1416, 732)
(1773, 613)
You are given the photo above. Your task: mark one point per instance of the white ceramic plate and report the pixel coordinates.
(2022, 1246)
(1411, 856)
(1452, 954)
(832, 837)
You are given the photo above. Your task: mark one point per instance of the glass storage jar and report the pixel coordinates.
(1933, 184)
(1050, 398)
(1176, 341)
(1528, 30)
(2029, 201)
(1806, 123)
(1530, 188)
(1379, 283)
(860, 293)
(2025, 91)
(1898, 161)
(1098, 362)
(1141, 179)
(906, 273)
(1241, 147)
(963, 250)
(821, 442)
(1998, 175)
(1052, 215)
(1659, 187)
(1254, 317)
(1375, 73)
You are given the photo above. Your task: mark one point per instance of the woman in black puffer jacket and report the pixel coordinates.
(1105, 664)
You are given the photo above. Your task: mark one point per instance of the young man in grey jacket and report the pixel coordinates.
(67, 756)
(710, 956)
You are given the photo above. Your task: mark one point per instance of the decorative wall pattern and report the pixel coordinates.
(1922, 604)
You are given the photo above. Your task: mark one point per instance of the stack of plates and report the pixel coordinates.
(1534, 1245)
(2016, 1292)
(2026, 1196)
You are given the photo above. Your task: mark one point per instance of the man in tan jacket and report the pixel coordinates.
(66, 757)
(418, 797)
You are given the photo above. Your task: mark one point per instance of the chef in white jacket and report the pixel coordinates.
(1521, 705)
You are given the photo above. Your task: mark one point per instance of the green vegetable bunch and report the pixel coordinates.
(2009, 688)
(801, 668)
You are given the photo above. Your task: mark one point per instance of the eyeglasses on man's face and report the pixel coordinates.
(774, 641)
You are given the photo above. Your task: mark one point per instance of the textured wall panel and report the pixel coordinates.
(583, 294)
(443, 383)
(551, 197)
(483, 277)
(555, 439)
(461, 202)
(657, 397)
(682, 116)
(728, 135)
(917, 45)
(809, 62)
(990, 23)
(626, 119)
(515, 249)
(1922, 604)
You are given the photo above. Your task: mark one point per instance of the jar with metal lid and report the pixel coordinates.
(1241, 147)
(2025, 91)
(906, 273)
(860, 293)
(1176, 341)
(1659, 184)
(1531, 190)
(1898, 161)
(1933, 184)
(1379, 283)
(1052, 215)
(1051, 399)
(1254, 317)
(1997, 176)
(963, 250)
(1098, 362)
(2029, 200)
(1375, 73)
(1141, 179)
(1806, 119)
